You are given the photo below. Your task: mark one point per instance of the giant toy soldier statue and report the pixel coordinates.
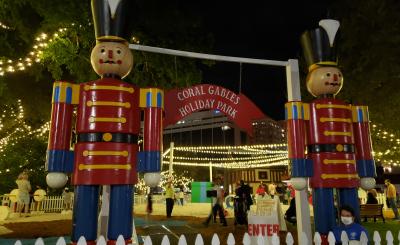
(107, 128)
(328, 140)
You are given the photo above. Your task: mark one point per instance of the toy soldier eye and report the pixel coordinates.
(340, 75)
(328, 74)
(118, 51)
(102, 50)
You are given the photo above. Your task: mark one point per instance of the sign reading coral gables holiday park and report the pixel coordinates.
(180, 103)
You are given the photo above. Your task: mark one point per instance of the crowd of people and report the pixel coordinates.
(244, 199)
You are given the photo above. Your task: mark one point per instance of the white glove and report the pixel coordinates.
(56, 180)
(299, 183)
(367, 183)
(152, 179)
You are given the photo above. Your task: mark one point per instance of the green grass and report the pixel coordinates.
(379, 226)
(382, 228)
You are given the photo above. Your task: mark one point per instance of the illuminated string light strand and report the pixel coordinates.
(4, 26)
(249, 156)
(21, 130)
(177, 181)
(282, 162)
(391, 142)
(238, 150)
(259, 158)
(245, 147)
(40, 44)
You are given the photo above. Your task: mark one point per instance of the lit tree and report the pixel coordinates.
(21, 148)
(368, 51)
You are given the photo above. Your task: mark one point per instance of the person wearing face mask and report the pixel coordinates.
(348, 225)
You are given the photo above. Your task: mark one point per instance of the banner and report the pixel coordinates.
(180, 103)
(266, 219)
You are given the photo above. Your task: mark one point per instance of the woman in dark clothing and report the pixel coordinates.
(290, 214)
(371, 199)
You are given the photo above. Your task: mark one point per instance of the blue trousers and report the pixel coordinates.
(325, 212)
(86, 206)
(393, 206)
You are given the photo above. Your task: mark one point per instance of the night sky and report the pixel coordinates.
(264, 30)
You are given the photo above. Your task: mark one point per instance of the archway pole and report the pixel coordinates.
(206, 56)
(210, 168)
(171, 158)
(293, 90)
(302, 206)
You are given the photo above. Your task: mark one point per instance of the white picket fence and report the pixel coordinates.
(51, 204)
(260, 240)
(55, 204)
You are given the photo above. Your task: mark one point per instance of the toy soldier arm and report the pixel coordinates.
(365, 161)
(152, 102)
(59, 156)
(296, 113)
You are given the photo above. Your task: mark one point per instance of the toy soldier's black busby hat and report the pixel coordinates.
(110, 20)
(318, 45)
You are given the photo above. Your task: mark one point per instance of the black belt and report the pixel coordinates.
(108, 137)
(346, 148)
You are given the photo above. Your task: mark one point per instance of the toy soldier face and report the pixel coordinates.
(111, 58)
(324, 81)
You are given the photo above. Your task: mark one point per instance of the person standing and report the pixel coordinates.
(260, 190)
(169, 199)
(181, 196)
(218, 201)
(391, 198)
(67, 198)
(272, 189)
(244, 194)
(149, 207)
(24, 187)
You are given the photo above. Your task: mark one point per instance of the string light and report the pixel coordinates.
(235, 165)
(20, 129)
(391, 143)
(3, 26)
(177, 180)
(34, 56)
(215, 159)
(248, 149)
(249, 156)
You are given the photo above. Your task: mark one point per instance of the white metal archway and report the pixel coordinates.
(293, 90)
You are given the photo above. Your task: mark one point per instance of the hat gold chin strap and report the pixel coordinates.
(322, 63)
(111, 39)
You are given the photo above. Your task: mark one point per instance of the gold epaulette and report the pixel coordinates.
(151, 97)
(297, 110)
(360, 113)
(65, 92)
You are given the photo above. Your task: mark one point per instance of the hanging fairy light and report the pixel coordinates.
(41, 42)
(389, 155)
(4, 26)
(21, 129)
(178, 180)
(248, 156)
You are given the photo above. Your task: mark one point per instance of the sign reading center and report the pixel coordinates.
(180, 103)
